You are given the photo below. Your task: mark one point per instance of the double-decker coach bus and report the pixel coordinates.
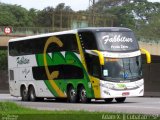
(80, 65)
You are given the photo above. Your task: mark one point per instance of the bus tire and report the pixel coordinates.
(71, 94)
(32, 94)
(120, 100)
(108, 100)
(24, 94)
(83, 95)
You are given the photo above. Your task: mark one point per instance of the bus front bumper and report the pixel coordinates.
(130, 89)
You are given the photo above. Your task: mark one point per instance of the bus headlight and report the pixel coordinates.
(109, 86)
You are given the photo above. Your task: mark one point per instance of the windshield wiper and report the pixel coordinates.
(130, 68)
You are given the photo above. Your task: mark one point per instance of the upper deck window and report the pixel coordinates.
(116, 41)
(36, 46)
(88, 40)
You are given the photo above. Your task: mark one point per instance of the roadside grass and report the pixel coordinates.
(12, 111)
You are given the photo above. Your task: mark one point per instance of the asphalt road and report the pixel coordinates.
(140, 105)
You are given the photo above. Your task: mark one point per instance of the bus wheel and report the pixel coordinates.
(108, 100)
(24, 94)
(120, 100)
(71, 95)
(32, 94)
(83, 95)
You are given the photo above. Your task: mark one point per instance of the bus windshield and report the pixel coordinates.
(122, 69)
(116, 41)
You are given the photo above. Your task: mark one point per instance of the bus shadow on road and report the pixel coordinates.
(60, 101)
(91, 103)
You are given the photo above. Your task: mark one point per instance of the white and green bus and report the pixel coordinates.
(80, 65)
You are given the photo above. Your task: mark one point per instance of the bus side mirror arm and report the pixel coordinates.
(148, 55)
(100, 55)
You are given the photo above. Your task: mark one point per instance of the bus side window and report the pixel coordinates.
(93, 65)
(12, 49)
(69, 43)
(36, 46)
(88, 40)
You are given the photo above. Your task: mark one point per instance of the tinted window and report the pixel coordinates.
(88, 40)
(65, 72)
(36, 46)
(93, 65)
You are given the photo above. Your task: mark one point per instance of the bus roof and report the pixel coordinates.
(109, 29)
(44, 35)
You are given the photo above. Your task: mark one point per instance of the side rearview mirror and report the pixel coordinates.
(148, 55)
(100, 55)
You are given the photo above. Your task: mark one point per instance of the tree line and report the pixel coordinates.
(139, 15)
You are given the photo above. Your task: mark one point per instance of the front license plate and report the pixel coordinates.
(125, 93)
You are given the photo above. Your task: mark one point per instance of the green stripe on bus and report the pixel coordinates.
(70, 58)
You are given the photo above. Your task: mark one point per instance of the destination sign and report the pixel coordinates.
(116, 38)
(117, 41)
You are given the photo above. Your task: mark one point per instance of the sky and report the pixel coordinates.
(41, 4)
